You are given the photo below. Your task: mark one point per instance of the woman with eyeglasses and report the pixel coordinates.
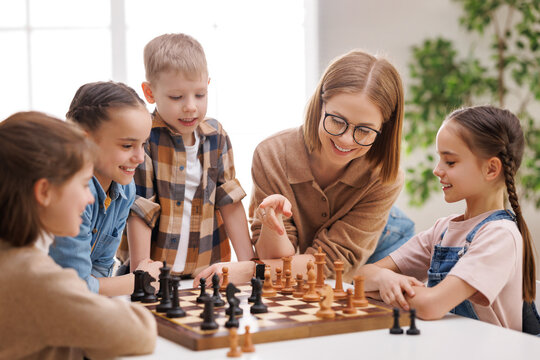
(331, 183)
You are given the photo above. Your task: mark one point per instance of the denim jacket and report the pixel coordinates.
(91, 253)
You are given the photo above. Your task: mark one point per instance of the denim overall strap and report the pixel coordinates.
(445, 257)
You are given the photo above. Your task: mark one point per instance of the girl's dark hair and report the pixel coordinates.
(35, 146)
(90, 105)
(488, 132)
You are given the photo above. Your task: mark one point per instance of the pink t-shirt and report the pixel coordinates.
(492, 264)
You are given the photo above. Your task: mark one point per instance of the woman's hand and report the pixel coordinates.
(239, 272)
(392, 286)
(271, 210)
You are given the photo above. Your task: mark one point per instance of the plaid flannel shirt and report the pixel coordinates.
(160, 182)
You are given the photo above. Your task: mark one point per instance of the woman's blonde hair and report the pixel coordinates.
(359, 72)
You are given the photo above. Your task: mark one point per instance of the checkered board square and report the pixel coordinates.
(287, 318)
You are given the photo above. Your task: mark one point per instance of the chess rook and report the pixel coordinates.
(359, 299)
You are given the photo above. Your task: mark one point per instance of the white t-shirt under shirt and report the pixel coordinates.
(492, 264)
(193, 179)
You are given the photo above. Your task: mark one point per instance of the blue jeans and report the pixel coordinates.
(399, 228)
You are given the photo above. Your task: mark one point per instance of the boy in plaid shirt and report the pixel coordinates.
(188, 198)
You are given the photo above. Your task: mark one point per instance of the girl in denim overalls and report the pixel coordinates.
(487, 251)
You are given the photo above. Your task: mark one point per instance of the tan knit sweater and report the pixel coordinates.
(47, 312)
(346, 219)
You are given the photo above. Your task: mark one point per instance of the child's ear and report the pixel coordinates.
(42, 192)
(493, 168)
(147, 91)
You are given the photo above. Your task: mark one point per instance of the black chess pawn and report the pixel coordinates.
(209, 322)
(164, 278)
(258, 307)
(396, 329)
(412, 330)
(175, 311)
(234, 302)
(138, 292)
(204, 294)
(218, 301)
(253, 295)
(149, 290)
(233, 321)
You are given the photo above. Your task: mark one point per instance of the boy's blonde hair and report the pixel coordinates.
(174, 52)
(359, 72)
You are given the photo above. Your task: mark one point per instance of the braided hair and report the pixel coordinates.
(90, 105)
(489, 132)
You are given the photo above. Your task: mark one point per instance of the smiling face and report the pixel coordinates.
(61, 216)
(461, 172)
(120, 141)
(357, 109)
(181, 102)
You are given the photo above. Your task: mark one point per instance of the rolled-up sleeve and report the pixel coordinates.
(74, 252)
(228, 188)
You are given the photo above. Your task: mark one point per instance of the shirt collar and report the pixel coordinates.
(298, 169)
(115, 190)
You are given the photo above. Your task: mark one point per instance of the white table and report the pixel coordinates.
(453, 338)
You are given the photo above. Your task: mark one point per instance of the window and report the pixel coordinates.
(255, 52)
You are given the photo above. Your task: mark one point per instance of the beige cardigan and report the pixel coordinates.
(346, 219)
(47, 312)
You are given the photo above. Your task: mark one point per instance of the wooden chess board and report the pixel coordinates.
(287, 318)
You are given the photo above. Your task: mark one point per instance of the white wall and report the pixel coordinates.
(391, 27)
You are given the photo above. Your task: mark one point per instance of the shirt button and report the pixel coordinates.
(323, 198)
(323, 214)
(178, 203)
(181, 168)
(173, 241)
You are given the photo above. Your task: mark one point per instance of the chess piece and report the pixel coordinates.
(233, 321)
(359, 299)
(138, 292)
(278, 284)
(325, 303)
(320, 262)
(164, 277)
(204, 294)
(258, 306)
(252, 297)
(339, 293)
(299, 290)
(234, 302)
(311, 295)
(218, 301)
(248, 342)
(149, 291)
(349, 308)
(309, 266)
(412, 330)
(233, 342)
(225, 282)
(396, 329)
(287, 289)
(209, 322)
(287, 265)
(268, 290)
(175, 311)
(160, 291)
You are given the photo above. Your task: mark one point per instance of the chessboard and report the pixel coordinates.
(287, 318)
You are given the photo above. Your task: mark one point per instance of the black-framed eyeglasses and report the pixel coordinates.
(337, 126)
